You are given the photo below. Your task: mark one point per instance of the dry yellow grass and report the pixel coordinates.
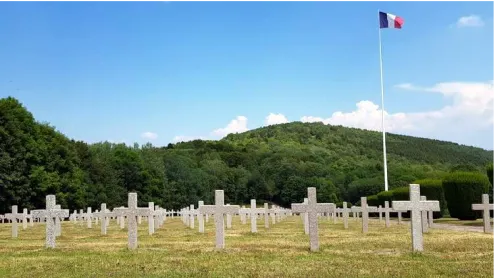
(282, 251)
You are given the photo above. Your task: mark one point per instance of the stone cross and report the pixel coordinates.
(58, 223)
(416, 206)
(306, 218)
(312, 208)
(105, 215)
(380, 211)
(191, 219)
(89, 219)
(485, 207)
(355, 212)
(50, 214)
(345, 215)
(243, 215)
(200, 217)
(253, 216)
(13, 218)
(365, 213)
(219, 210)
(425, 224)
(157, 217)
(386, 211)
(150, 218)
(131, 212)
(228, 220)
(24, 219)
(266, 215)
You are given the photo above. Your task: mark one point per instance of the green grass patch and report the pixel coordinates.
(282, 251)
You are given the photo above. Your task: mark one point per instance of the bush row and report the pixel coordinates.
(456, 193)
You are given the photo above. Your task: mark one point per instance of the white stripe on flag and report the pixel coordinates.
(391, 20)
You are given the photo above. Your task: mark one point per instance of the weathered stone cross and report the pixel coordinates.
(50, 213)
(266, 215)
(150, 218)
(416, 206)
(345, 211)
(365, 213)
(131, 212)
(104, 215)
(200, 217)
(13, 218)
(386, 211)
(312, 208)
(486, 207)
(219, 210)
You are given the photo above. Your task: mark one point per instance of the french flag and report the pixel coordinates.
(387, 20)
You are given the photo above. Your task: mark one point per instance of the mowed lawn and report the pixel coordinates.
(282, 251)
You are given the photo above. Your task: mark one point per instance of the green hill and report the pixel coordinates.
(275, 163)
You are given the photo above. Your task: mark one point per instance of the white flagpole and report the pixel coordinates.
(382, 106)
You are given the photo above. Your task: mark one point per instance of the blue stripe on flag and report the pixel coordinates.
(383, 20)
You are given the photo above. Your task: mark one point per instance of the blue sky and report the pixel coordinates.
(164, 71)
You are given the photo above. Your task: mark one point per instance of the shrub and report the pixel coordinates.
(433, 190)
(385, 196)
(372, 201)
(401, 193)
(461, 190)
(340, 205)
(489, 172)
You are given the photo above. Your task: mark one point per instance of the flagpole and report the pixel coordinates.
(382, 107)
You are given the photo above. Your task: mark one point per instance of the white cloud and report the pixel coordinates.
(470, 21)
(406, 86)
(471, 109)
(273, 119)
(237, 125)
(149, 135)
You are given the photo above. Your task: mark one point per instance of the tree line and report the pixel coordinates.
(274, 164)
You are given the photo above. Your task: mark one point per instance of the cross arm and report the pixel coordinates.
(325, 207)
(143, 212)
(209, 209)
(372, 209)
(430, 205)
(401, 205)
(299, 208)
(482, 206)
(232, 209)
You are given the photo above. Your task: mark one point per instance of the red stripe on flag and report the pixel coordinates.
(398, 22)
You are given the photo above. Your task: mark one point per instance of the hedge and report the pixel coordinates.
(340, 205)
(433, 190)
(385, 196)
(461, 190)
(372, 201)
(401, 193)
(489, 172)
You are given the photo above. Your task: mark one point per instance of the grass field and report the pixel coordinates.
(282, 251)
(477, 223)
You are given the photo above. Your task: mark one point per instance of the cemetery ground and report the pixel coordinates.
(280, 251)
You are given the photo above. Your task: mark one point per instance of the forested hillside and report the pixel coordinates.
(275, 163)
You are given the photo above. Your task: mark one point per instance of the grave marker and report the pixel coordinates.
(416, 206)
(131, 212)
(219, 210)
(13, 216)
(345, 215)
(312, 209)
(50, 213)
(150, 220)
(200, 218)
(486, 208)
(105, 215)
(386, 210)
